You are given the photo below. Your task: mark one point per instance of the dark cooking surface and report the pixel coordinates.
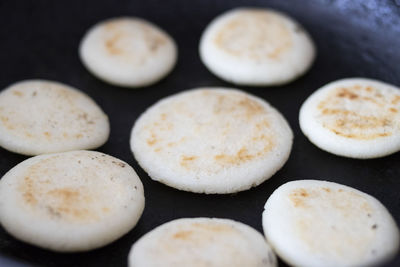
(39, 39)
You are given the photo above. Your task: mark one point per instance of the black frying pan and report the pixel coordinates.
(39, 39)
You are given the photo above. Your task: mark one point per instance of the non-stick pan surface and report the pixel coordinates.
(39, 39)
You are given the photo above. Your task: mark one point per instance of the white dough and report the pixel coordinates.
(128, 52)
(71, 201)
(211, 140)
(202, 242)
(357, 118)
(317, 223)
(38, 117)
(256, 47)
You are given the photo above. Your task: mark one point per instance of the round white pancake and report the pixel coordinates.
(357, 118)
(128, 51)
(71, 201)
(202, 242)
(38, 117)
(256, 46)
(318, 223)
(211, 140)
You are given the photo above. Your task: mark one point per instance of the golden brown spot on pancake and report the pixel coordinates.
(67, 195)
(184, 235)
(79, 136)
(263, 124)
(396, 100)
(71, 202)
(326, 189)
(217, 228)
(27, 134)
(28, 191)
(105, 210)
(251, 106)
(47, 134)
(240, 157)
(119, 163)
(163, 116)
(187, 160)
(112, 44)
(18, 93)
(357, 119)
(347, 94)
(328, 111)
(6, 121)
(242, 105)
(152, 140)
(254, 34)
(297, 196)
(65, 135)
(84, 116)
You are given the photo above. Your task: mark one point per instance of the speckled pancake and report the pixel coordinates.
(256, 46)
(357, 118)
(317, 223)
(211, 140)
(202, 242)
(38, 117)
(71, 201)
(128, 51)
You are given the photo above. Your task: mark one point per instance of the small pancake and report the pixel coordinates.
(128, 52)
(319, 223)
(202, 242)
(256, 47)
(38, 117)
(356, 118)
(211, 140)
(71, 201)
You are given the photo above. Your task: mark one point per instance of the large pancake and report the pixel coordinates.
(211, 141)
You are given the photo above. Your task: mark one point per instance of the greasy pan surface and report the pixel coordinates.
(39, 39)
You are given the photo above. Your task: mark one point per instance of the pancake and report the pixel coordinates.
(38, 117)
(211, 140)
(319, 223)
(71, 201)
(357, 118)
(202, 242)
(256, 47)
(128, 52)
